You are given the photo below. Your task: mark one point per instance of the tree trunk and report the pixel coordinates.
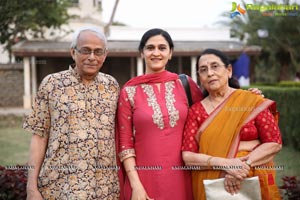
(284, 58)
(111, 20)
(284, 69)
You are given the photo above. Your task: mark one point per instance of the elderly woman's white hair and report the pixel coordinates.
(99, 33)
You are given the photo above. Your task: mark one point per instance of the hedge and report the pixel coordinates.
(287, 98)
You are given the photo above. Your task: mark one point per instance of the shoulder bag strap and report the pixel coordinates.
(186, 86)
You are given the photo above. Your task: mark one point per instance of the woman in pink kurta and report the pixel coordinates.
(152, 111)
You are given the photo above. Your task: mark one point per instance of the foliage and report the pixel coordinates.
(289, 84)
(22, 18)
(279, 84)
(291, 187)
(13, 183)
(279, 40)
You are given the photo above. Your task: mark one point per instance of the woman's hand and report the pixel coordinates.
(236, 167)
(138, 190)
(263, 154)
(256, 91)
(139, 193)
(231, 184)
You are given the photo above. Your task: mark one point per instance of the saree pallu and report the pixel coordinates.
(218, 136)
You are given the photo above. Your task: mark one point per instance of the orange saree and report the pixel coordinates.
(219, 136)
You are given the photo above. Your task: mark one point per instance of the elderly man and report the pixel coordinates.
(72, 148)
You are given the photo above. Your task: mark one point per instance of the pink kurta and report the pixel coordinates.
(151, 122)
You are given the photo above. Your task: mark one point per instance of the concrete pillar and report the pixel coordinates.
(193, 68)
(33, 76)
(27, 94)
(132, 67)
(13, 59)
(140, 70)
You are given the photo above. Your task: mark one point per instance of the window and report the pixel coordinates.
(98, 3)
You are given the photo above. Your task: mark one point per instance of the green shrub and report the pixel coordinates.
(289, 84)
(291, 187)
(280, 84)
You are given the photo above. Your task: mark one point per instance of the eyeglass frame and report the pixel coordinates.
(90, 51)
(218, 65)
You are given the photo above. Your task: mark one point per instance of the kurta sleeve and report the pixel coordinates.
(267, 127)
(191, 127)
(38, 121)
(125, 123)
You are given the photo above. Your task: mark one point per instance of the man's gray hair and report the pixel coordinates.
(99, 33)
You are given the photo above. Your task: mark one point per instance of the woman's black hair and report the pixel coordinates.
(233, 82)
(154, 32)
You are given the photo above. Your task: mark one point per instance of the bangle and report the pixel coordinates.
(208, 161)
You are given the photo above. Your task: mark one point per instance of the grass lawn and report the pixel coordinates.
(14, 146)
(289, 159)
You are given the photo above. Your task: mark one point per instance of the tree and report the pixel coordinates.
(277, 32)
(20, 19)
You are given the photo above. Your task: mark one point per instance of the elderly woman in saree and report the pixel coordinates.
(232, 128)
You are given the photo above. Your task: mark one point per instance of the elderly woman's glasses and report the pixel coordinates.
(87, 51)
(212, 67)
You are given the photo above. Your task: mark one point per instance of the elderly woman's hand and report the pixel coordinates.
(256, 91)
(231, 184)
(236, 167)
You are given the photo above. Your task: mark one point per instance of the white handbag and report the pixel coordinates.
(250, 190)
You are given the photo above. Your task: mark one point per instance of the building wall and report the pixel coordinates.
(11, 85)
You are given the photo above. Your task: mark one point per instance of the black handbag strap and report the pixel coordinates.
(187, 89)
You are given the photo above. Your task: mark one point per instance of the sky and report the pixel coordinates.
(168, 13)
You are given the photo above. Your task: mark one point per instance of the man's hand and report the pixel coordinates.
(33, 194)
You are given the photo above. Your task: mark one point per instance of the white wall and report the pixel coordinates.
(4, 58)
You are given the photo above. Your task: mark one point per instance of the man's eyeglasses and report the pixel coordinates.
(87, 51)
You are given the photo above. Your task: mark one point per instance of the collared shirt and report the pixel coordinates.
(79, 120)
